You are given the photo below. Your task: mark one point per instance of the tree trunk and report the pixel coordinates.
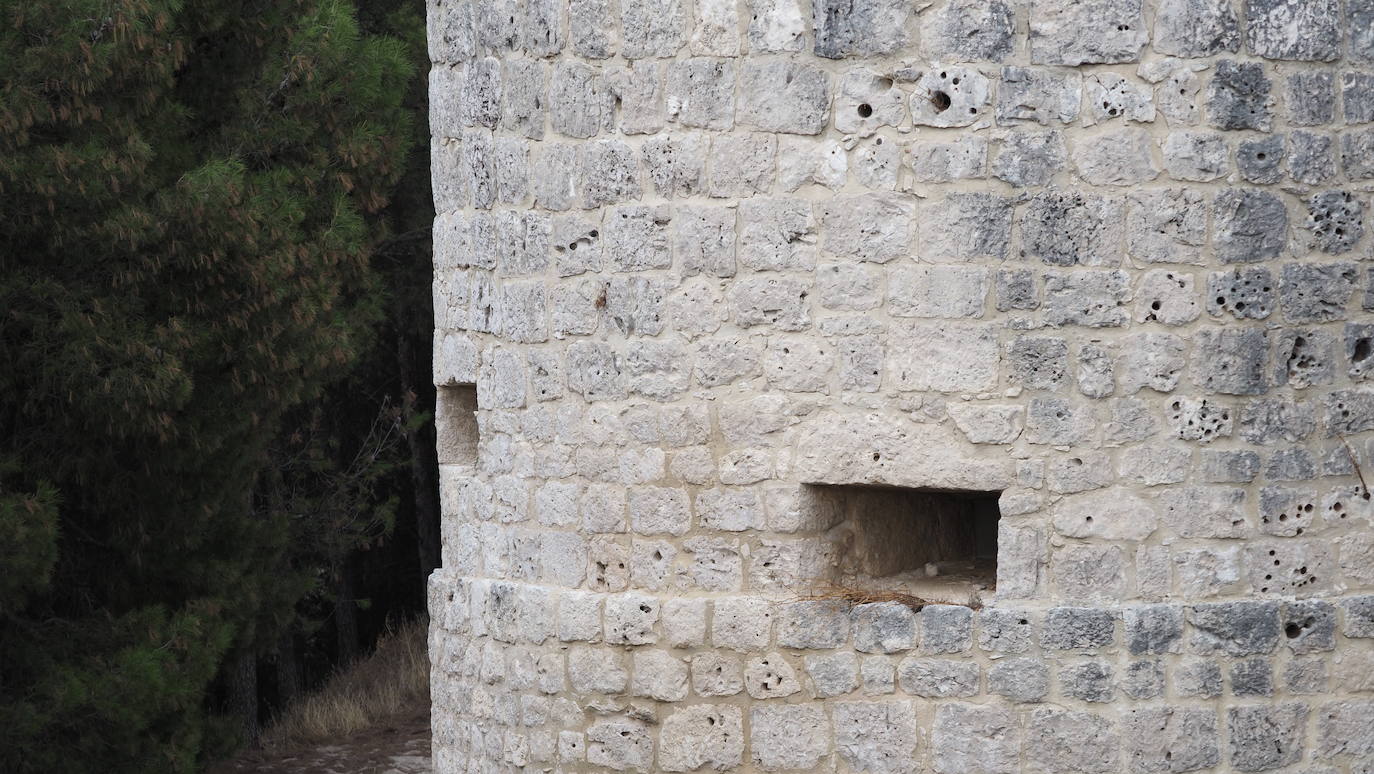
(243, 695)
(345, 616)
(424, 458)
(288, 671)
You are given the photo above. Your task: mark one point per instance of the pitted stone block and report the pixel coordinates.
(950, 95)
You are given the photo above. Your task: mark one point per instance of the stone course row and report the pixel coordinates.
(1059, 32)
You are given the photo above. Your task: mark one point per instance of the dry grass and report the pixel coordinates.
(856, 596)
(393, 680)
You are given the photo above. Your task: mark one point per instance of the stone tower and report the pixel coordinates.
(760, 322)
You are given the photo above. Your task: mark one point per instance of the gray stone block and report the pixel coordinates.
(1244, 293)
(1038, 363)
(1234, 628)
(1143, 680)
(1357, 614)
(1229, 466)
(884, 627)
(1335, 220)
(1311, 157)
(1094, 299)
(1170, 739)
(1251, 226)
(1060, 740)
(1347, 412)
(1195, 28)
(1304, 357)
(1067, 32)
(1020, 680)
(1231, 361)
(1252, 677)
(1154, 629)
(938, 678)
(1260, 161)
(1286, 29)
(1357, 154)
(1027, 158)
(1311, 97)
(970, 31)
(1089, 681)
(1075, 628)
(1015, 289)
(777, 95)
(1268, 420)
(971, 737)
(1067, 229)
(860, 28)
(1004, 631)
(946, 629)
(700, 93)
(1197, 678)
(1238, 96)
(1266, 737)
(1047, 97)
(1316, 292)
(1309, 626)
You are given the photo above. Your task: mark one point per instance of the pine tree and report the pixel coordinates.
(188, 198)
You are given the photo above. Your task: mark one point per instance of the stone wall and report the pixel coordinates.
(1108, 259)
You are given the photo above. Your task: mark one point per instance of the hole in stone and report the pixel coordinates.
(865, 110)
(455, 422)
(928, 543)
(941, 101)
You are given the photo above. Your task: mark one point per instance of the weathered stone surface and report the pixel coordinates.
(1194, 28)
(1093, 32)
(1265, 737)
(1279, 29)
(862, 28)
(969, 737)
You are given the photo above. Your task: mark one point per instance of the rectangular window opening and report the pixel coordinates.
(937, 545)
(455, 424)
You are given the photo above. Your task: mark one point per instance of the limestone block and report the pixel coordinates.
(1278, 29)
(783, 96)
(964, 227)
(1020, 680)
(1195, 28)
(1260, 161)
(1004, 631)
(880, 737)
(1266, 737)
(1110, 96)
(776, 25)
(1041, 96)
(861, 28)
(717, 674)
(1243, 292)
(788, 736)
(1029, 158)
(1335, 221)
(1121, 157)
(702, 735)
(1093, 32)
(623, 744)
(970, 737)
(970, 31)
(659, 676)
(866, 101)
(700, 93)
(942, 162)
(833, 674)
(950, 95)
(1238, 96)
(1196, 156)
(937, 291)
(1089, 681)
(1170, 739)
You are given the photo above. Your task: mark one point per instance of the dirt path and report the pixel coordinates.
(400, 746)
